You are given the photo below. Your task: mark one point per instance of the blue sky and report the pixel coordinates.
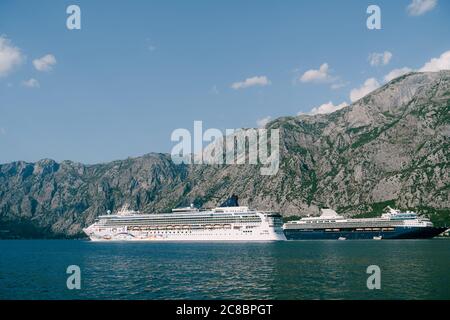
(137, 70)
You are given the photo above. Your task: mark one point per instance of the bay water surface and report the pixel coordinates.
(410, 269)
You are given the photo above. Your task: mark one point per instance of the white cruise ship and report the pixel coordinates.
(394, 224)
(229, 222)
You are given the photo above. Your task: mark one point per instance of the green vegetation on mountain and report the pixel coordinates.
(389, 148)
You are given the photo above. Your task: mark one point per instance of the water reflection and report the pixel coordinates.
(282, 270)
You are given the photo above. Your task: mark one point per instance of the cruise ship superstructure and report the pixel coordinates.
(394, 224)
(229, 222)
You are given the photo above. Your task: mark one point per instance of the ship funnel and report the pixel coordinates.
(231, 202)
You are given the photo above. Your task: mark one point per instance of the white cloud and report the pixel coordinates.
(31, 83)
(10, 56)
(262, 122)
(150, 45)
(45, 63)
(419, 7)
(338, 85)
(251, 82)
(397, 73)
(437, 64)
(2, 131)
(318, 76)
(327, 108)
(377, 59)
(368, 86)
(214, 90)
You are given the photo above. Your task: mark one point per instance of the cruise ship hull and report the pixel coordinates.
(397, 233)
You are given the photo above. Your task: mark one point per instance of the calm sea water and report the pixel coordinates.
(282, 270)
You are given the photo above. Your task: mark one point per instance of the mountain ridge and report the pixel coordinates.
(391, 147)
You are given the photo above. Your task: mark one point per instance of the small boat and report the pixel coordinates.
(377, 238)
(342, 238)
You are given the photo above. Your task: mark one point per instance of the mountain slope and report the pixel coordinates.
(390, 147)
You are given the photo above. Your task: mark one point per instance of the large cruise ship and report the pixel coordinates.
(394, 224)
(229, 222)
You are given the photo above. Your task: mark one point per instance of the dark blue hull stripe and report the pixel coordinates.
(398, 233)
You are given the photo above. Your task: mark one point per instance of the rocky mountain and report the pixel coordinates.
(389, 148)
